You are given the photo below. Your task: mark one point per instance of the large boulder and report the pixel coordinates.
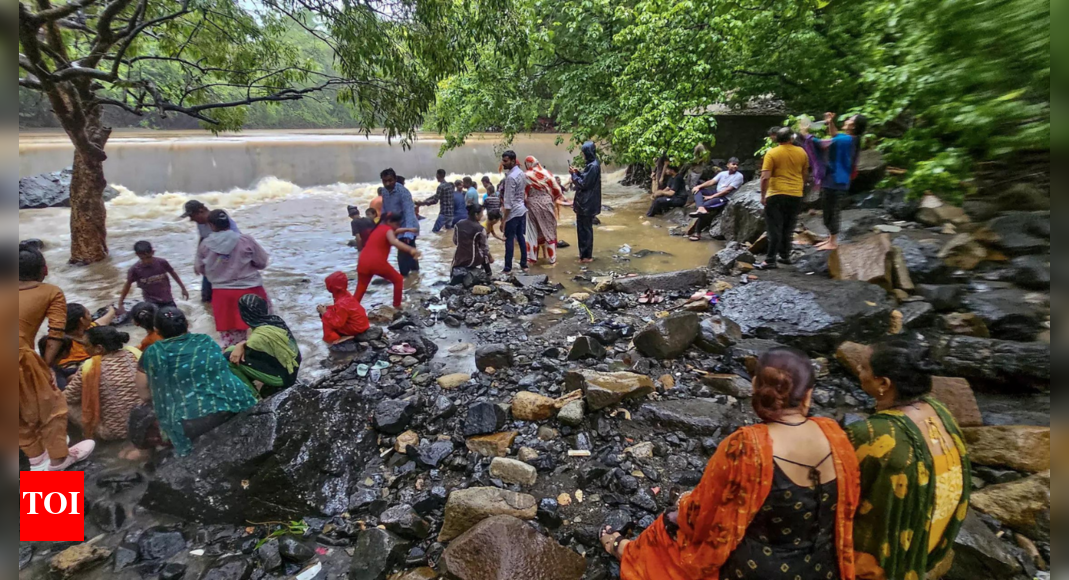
(1018, 366)
(717, 335)
(296, 454)
(1023, 506)
(921, 257)
(979, 553)
(670, 337)
(1017, 233)
(504, 547)
(606, 389)
(958, 396)
(467, 507)
(1007, 313)
(493, 356)
(696, 417)
(743, 219)
(376, 554)
(867, 260)
(1031, 272)
(681, 281)
(725, 260)
(51, 190)
(1021, 448)
(814, 315)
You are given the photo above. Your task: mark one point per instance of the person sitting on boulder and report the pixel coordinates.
(78, 322)
(268, 361)
(103, 392)
(347, 317)
(470, 239)
(189, 382)
(672, 197)
(710, 200)
(143, 315)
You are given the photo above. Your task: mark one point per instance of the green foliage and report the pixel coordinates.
(945, 84)
(297, 529)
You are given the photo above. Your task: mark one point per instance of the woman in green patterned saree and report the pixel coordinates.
(915, 471)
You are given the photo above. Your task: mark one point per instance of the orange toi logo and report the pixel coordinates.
(52, 507)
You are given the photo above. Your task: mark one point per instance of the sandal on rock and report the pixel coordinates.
(403, 349)
(646, 298)
(362, 371)
(380, 366)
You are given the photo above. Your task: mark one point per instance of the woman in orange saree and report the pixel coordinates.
(777, 500)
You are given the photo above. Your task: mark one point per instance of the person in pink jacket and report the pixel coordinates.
(232, 262)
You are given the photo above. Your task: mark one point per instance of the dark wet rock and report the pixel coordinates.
(293, 550)
(643, 500)
(669, 338)
(495, 356)
(1031, 272)
(530, 281)
(698, 417)
(607, 389)
(733, 385)
(466, 508)
(269, 555)
(160, 544)
(814, 315)
(743, 219)
(405, 522)
(917, 315)
(605, 335)
(296, 454)
(51, 190)
(871, 169)
(26, 556)
(717, 335)
(231, 568)
(362, 499)
(483, 419)
(425, 347)
(444, 408)
(1007, 314)
(1014, 365)
(1017, 233)
(898, 204)
(979, 553)
(109, 516)
(922, 259)
(586, 347)
(431, 501)
(725, 260)
(431, 456)
(572, 414)
(549, 513)
(505, 547)
(374, 333)
(376, 553)
(119, 481)
(125, 555)
(684, 280)
(942, 297)
(393, 416)
(814, 263)
(173, 571)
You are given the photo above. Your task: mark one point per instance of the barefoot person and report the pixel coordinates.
(587, 203)
(153, 277)
(375, 258)
(232, 262)
(843, 151)
(543, 193)
(42, 407)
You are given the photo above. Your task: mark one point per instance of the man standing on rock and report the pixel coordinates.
(444, 198)
(514, 198)
(396, 199)
(783, 178)
(198, 213)
(843, 150)
(587, 202)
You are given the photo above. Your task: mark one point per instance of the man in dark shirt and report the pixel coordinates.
(362, 227)
(675, 196)
(443, 196)
(587, 203)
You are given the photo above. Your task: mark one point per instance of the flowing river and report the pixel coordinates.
(290, 191)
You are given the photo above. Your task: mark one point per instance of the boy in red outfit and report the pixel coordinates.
(346, 318)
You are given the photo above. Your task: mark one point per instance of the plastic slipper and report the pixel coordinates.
(403, 349)
(362, 370)
(646, 298)
(380, 366)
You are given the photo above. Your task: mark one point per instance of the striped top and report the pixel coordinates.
(190, 378)
(118, 392)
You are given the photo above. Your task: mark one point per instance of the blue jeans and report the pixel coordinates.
(406, 264)
(516, 232)
(442, 223)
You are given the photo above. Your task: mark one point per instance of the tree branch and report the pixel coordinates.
(60, 12)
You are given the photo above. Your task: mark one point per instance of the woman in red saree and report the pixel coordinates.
(543, 195)
(777, 500)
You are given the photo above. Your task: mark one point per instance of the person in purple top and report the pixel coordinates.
(152, 275)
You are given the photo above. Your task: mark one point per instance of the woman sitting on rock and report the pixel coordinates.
(189, 382)
(777, 500)
(914, 467)
(104, 391)
(269, 360)
(143, 315)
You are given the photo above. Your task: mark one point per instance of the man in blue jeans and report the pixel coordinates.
(396, 199)
(515, 210)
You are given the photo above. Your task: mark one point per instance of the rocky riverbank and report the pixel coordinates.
(596, 409)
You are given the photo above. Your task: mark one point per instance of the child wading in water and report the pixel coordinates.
(374, 258)
(470, 239)
(151, 276)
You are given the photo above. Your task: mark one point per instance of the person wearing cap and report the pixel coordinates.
(197, 213)
(232, 263)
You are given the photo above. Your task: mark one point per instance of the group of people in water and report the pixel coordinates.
(796, 497)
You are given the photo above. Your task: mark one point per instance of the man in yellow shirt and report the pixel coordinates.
(783, 177)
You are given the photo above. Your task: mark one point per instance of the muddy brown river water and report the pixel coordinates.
(290, 191)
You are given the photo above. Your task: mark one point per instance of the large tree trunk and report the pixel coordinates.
(89, 233)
